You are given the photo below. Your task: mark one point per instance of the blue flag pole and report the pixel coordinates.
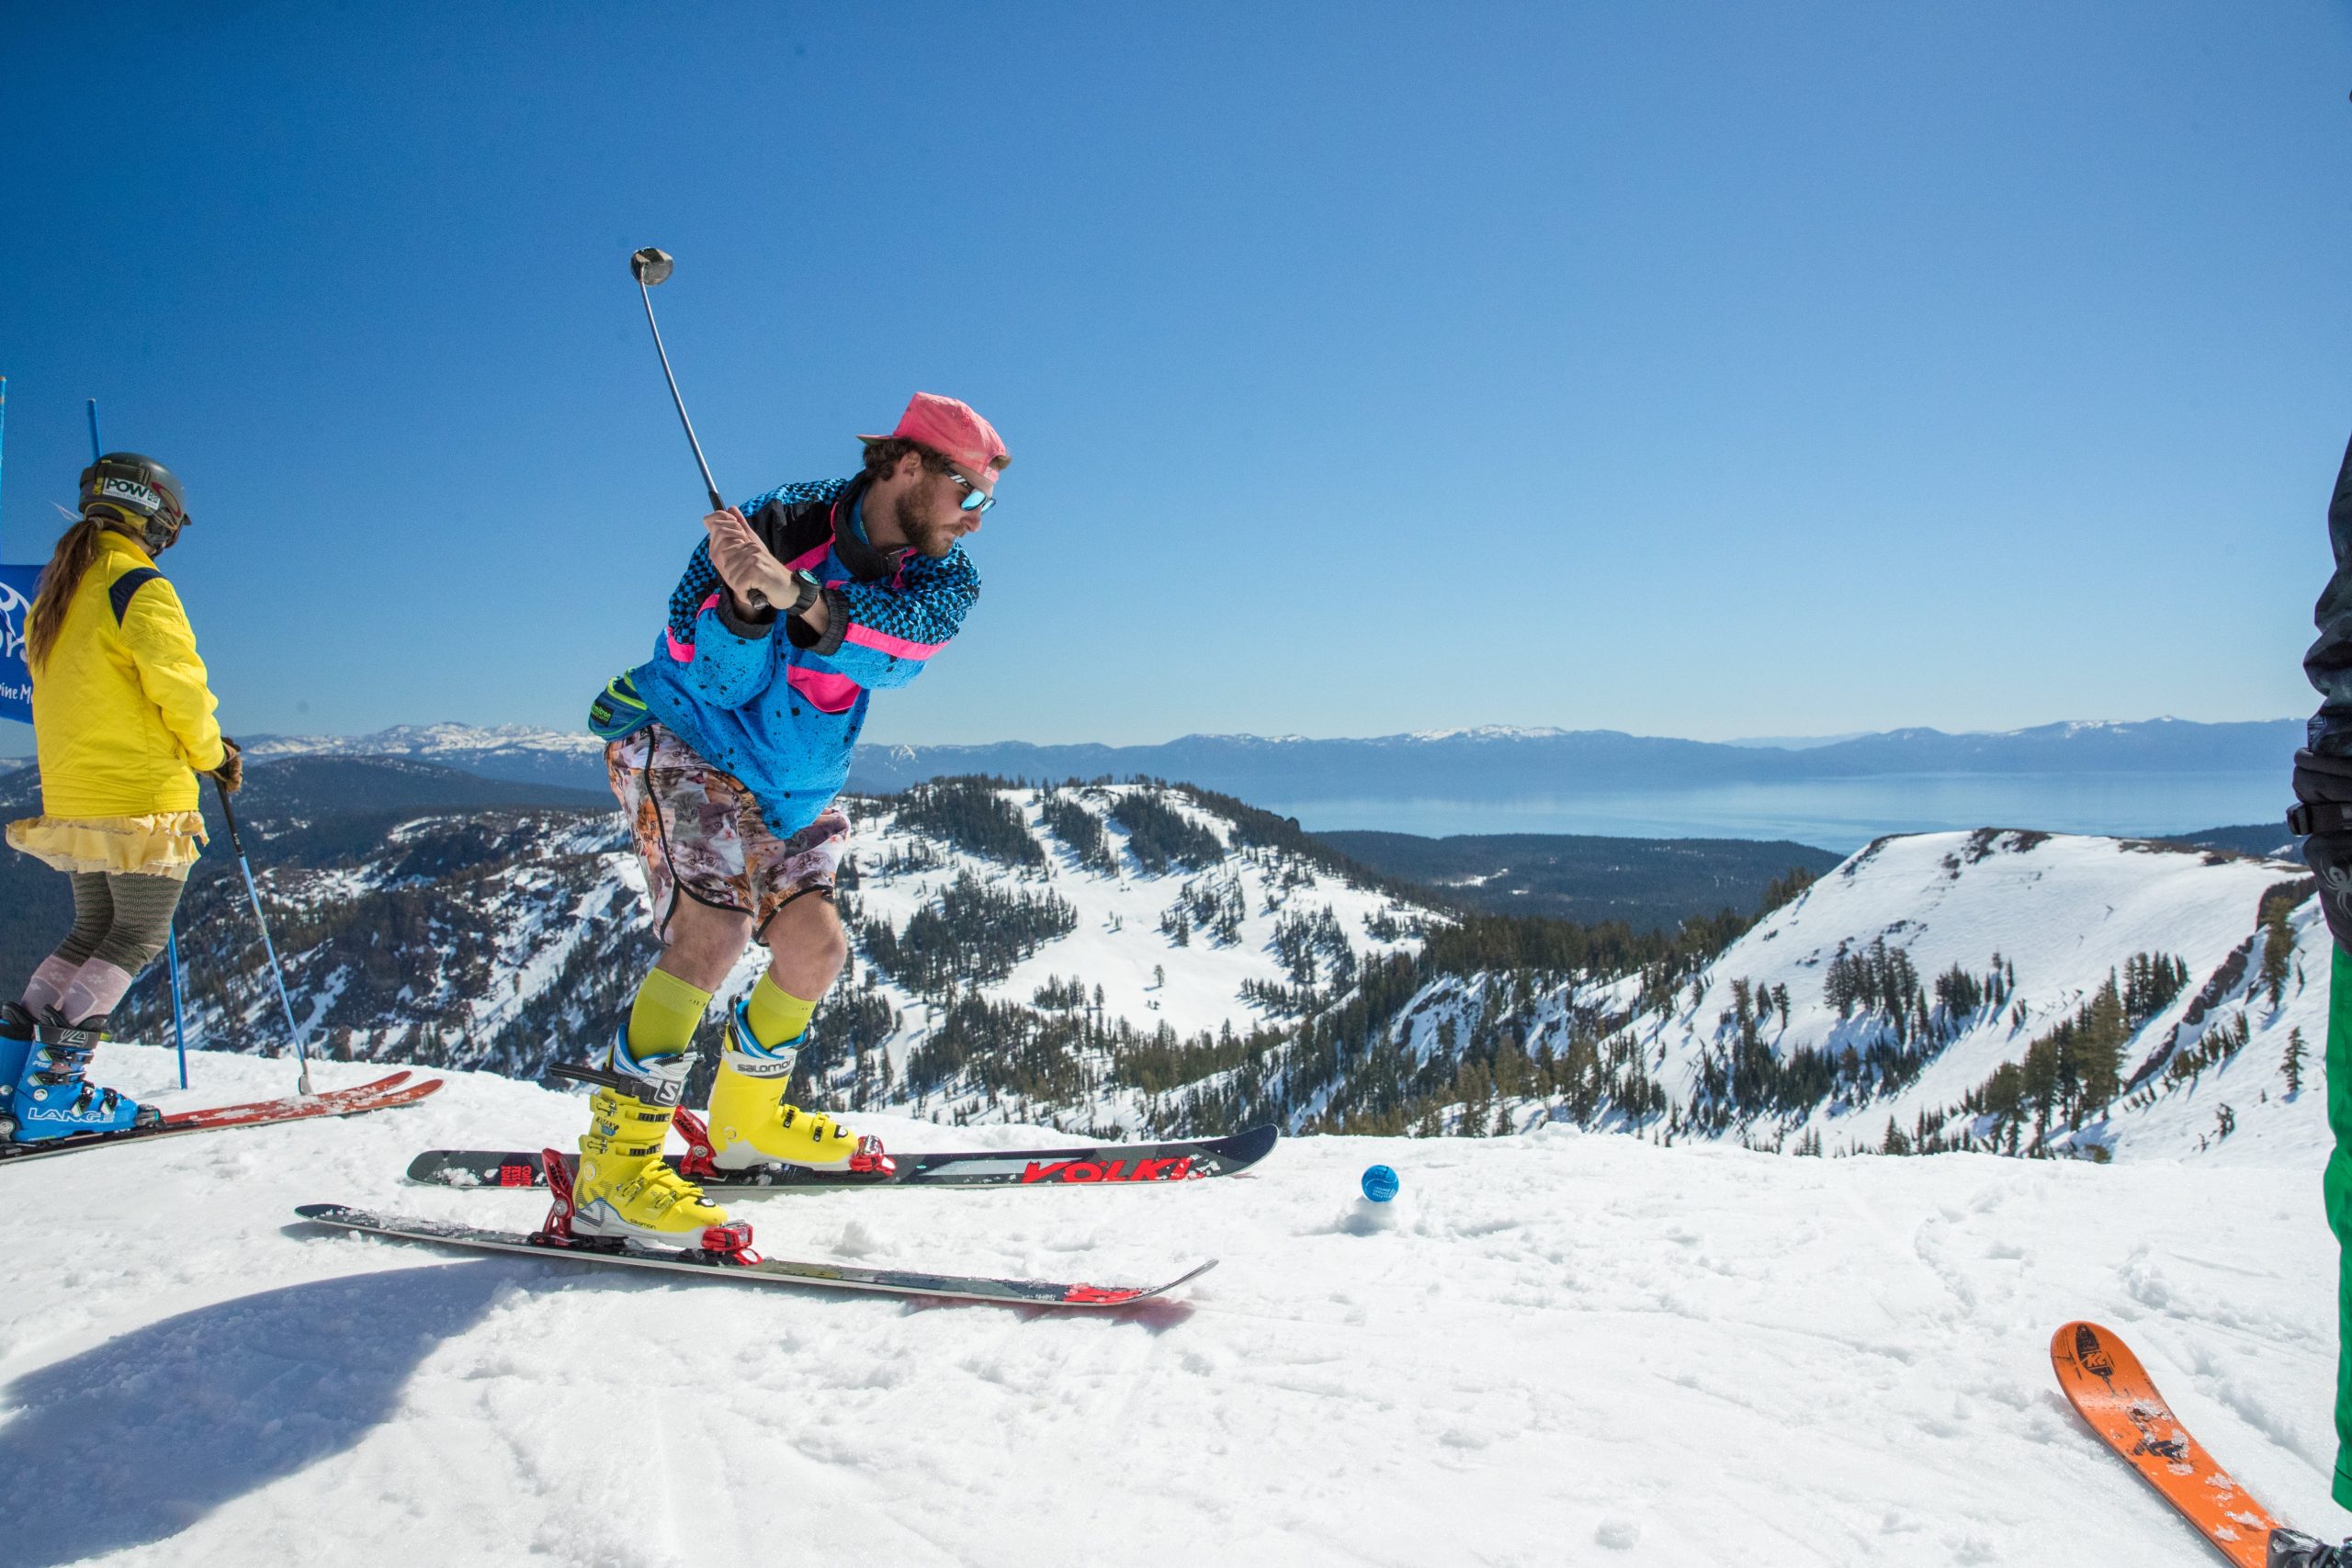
(172, 942)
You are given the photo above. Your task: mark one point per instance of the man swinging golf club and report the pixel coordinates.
(727, 748)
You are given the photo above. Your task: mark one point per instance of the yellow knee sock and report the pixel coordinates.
(662, 1021)
(775, 1014)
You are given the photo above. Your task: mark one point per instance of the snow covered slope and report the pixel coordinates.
(1564, 1348)
(2058, 915)
(2026, 992)
(1138, 918)
(1146, 956)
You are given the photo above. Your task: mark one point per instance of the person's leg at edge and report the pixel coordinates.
(93, 917)
(2338, 1187)
(142, 907)
(53, 1096)
(93, 913)
(2291, 1548)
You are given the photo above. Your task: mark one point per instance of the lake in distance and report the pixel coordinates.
(1839, 814)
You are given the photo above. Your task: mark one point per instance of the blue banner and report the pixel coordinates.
(16, 586)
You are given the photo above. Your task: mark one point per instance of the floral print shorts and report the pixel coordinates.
(700, 832)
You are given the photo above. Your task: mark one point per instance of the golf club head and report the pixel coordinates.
(651, 266)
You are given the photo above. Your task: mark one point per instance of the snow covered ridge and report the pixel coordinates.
(2016, 991)
(1156, 958)
(1085, 953)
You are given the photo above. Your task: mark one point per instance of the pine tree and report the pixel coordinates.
(2292, 1063)
(2277, 948)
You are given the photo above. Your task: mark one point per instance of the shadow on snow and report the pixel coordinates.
(138, 1438)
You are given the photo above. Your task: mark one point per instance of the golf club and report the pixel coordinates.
(650, 267)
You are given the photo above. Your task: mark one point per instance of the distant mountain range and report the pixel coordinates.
(1487, 763)
(520, 753)
(1142, 956)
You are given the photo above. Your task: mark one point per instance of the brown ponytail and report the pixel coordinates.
(76, 552)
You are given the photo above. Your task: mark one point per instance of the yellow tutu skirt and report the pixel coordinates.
(163, 844)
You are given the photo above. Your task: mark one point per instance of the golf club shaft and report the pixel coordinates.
(709, 485)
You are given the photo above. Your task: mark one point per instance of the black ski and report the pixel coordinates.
(745, 1268)
(1185, 1159)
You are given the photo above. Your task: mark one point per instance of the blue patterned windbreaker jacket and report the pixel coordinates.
(782, 712)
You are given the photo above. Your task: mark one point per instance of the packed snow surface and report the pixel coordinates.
(1560, 1347)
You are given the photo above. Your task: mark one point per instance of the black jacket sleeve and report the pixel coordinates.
(2329, 662)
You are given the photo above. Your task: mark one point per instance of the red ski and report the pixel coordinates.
(724, 1252)
(384, 1094)
(1107, 1164)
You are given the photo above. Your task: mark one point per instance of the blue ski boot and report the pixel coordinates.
(17, 1027)
(55, 1098)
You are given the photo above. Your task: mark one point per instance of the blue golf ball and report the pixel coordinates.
(1379, 1183)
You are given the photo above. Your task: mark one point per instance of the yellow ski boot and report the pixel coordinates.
(623, 1188)
(751, 1125)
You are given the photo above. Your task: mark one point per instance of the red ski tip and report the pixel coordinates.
(1099, 1295)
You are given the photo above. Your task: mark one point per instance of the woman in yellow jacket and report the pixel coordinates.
(122, 723)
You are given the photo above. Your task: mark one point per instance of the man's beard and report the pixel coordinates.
(928, 539)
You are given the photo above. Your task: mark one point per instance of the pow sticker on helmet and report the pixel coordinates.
(131, 491)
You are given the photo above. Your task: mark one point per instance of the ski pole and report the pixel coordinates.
(179, 1015)
(172, 942)
(277, 972)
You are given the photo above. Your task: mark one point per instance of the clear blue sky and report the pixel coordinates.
(1695, 369)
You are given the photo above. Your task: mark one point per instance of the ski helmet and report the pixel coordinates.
(138, 492)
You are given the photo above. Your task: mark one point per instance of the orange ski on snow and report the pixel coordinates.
(2106, 1384)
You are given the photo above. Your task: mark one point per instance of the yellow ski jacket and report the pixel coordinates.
(122, 715)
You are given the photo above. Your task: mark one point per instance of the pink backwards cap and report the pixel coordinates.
(956, 432)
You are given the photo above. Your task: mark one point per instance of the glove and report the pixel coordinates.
(2323, 789)
(232, 770)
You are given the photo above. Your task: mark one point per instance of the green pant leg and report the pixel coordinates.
(2338, 1187)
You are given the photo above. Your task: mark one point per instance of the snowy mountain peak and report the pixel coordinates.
(1489, 732)
(427, 740)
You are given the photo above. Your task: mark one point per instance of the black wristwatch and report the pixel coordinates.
(809, 587)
